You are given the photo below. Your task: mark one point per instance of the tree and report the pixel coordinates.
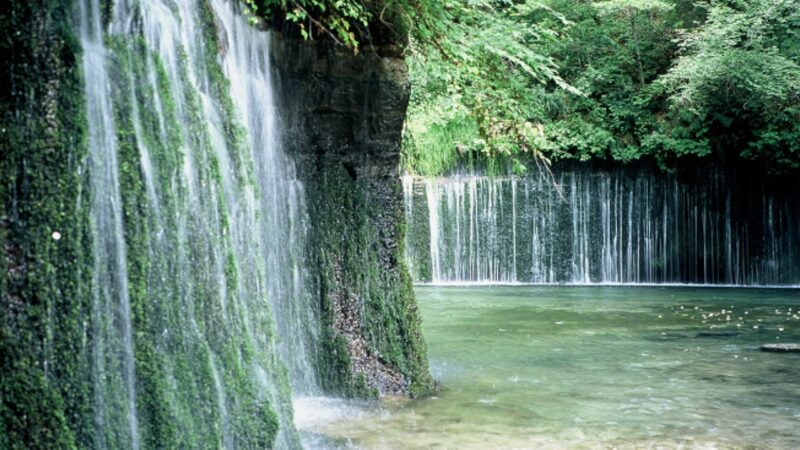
(739, 78)
(631, 9)
(474, 95)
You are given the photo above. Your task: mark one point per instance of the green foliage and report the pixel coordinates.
(353, 23)
(435, 134)
(475, 82)
(623, 80)
(611, 51)
(739, 76)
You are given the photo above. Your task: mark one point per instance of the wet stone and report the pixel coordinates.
(720, 334)
(781, 348)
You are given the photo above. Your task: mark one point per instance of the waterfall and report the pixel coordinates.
(284, 222)
(202, 324)
(113, 341)
(615, 226)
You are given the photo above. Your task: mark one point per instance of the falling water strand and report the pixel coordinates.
(113, 339)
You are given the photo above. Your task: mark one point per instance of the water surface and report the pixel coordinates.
(554, 367)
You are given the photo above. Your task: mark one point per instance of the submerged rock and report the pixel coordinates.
(781, 348)
(712, 334)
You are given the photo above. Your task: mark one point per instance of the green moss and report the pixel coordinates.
(158, 424)
(180, 322)
(235, 133)
(254, 421)
(351, 246)
(417, 243)
(43, 300)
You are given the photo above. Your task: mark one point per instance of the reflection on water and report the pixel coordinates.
(588, 367)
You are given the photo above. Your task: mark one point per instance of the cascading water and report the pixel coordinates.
(115, 402)
(613, 226)
(201, 317)
(284, 225)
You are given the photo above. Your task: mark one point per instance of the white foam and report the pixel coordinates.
(314, 413)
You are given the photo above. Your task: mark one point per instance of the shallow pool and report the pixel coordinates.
(588, 367)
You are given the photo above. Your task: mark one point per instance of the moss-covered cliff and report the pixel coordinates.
(136, 306)
(343, 116)
(45, 292)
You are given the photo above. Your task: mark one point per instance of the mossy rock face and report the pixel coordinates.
(348, 150)
(49, 384)
(343, 124)
(44, 271)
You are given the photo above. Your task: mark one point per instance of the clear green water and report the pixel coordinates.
(554, 367)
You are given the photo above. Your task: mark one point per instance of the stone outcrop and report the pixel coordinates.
(342, 116)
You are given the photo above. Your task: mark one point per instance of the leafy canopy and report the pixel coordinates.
(503, 82)
(739, 75)
(625, 80)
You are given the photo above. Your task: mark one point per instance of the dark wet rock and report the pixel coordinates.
(669, 337)
(717, 334)
(781, 348)
(342, 117)
(364, 361)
